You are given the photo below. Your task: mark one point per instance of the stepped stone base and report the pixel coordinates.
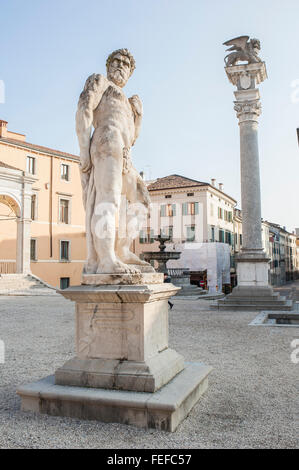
(123, 371)
(146, 376)
(252, 298)
(162, 410)
(187, 289)
(190, 290)
(24, 284)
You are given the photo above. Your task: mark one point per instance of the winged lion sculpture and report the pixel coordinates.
(244, 50)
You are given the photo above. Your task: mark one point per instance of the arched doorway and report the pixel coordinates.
(15, 199)
(10, 214)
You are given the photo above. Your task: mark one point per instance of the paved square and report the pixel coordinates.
(253, 393)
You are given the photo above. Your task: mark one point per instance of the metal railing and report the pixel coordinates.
(178, 272)
(8, 267)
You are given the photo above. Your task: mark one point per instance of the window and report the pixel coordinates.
(190, 194)
(170, 232)
(64, 250)
(220, 213)
(65, 172)
(142, 237)
(228, 216)
(168, 196)
(30, 165)
(33, 253)
(221, 236)
(168, 210)
(190, 208)
(212, 210)
(240, 239)
(33, 206)
(146, 236)
(64, 282)
(212, 234)
(151, 236)
(64, 211)
(191, 233)
(228, 238)
(167, 232)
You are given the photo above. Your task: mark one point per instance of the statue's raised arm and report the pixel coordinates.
(89, 99)
(137, 108)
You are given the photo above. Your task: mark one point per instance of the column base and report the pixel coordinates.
(162, 410)
(253, 292)
(252, 269)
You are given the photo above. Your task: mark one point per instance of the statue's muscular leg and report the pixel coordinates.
(91, 264)
(123, 244)
(108, 181)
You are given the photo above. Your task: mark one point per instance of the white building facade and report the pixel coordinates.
(193, 213)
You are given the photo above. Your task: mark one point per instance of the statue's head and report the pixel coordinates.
(256, 44)
(120, 66)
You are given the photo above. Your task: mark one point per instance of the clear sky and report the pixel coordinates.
(50, 47)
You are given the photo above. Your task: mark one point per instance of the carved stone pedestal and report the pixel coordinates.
(122, 338)
(123, 370)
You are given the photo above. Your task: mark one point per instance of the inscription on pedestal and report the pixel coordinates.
(105, 332)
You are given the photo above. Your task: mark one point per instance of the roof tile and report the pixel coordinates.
(174, 181)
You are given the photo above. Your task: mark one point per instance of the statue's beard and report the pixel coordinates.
(118, 77)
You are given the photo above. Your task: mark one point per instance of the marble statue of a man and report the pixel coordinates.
(107, 173)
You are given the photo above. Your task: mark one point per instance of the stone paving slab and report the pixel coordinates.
(251, 402)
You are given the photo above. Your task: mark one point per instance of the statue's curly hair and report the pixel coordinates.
(124, 52)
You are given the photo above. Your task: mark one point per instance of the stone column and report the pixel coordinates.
(24, 231)
(252, 263)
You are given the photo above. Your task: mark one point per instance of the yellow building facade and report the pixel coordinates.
(42, 226)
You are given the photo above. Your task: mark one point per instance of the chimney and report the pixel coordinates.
(221, 186)
(3, 128)
(213, 180)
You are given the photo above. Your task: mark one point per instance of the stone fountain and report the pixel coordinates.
(161, 256)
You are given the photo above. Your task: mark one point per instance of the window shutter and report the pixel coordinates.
(185, 208)
(173, 209)
(151, 236)
(141, 236)
(196, 208)
(163, 210)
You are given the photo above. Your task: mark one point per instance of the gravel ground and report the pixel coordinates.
(252, 400)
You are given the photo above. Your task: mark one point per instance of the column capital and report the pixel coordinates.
(248, 110)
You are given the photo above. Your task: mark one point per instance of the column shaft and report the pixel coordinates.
(250, 187)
